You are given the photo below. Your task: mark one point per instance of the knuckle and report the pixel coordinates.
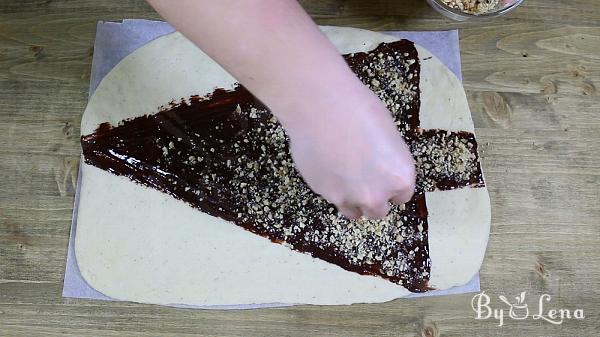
(405, 181)
(402, 197)
(376, 208)
(350, 213)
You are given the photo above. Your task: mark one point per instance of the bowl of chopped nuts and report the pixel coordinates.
(463, 10)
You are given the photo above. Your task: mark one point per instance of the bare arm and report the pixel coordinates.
(342, 137)
(271, 46)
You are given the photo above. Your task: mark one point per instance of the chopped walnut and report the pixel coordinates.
(473, 6)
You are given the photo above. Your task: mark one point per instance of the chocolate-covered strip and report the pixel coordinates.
(227, 155)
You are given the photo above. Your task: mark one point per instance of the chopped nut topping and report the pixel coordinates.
(444, 157)
(474, 6)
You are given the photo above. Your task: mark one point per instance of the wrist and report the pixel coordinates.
(321, 104)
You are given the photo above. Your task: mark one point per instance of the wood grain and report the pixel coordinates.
(532, 79)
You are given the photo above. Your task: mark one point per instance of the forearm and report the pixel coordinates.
(271, 46)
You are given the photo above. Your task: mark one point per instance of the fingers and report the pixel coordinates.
(375, 208)
(402, 197)
(405, 187)
(350, 212)
(374, 203)
(376, 211)
(372, 208)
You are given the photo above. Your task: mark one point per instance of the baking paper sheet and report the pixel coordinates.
(116, 40)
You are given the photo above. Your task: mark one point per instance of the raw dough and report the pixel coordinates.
(138, 244)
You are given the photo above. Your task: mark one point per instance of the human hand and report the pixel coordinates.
(351, 152)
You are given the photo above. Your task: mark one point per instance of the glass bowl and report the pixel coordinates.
(504, 7)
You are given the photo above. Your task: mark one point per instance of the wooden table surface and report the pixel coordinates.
(532, 79)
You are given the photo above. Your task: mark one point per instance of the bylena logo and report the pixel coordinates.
(519, 310)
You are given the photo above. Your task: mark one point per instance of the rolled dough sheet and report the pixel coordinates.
(322, 298)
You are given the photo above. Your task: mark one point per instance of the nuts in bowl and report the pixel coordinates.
(462, 10)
